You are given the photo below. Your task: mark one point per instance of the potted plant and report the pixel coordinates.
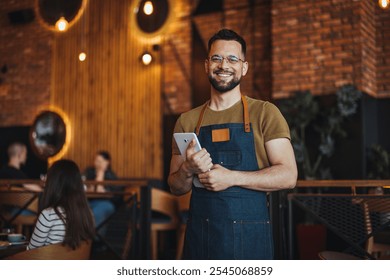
(314, 127)
(305, 112)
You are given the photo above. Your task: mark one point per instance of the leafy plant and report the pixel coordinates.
(378, 163)
(304, 111)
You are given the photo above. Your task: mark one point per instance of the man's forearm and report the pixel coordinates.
(273, 178)
(180, 181)
(32, 187)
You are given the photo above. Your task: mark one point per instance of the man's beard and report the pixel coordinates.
(224, 87)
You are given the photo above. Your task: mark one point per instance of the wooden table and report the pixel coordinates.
(11, 250)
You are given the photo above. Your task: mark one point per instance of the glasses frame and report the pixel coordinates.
(225, 58)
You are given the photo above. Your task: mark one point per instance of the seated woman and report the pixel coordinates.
(101, 208)
(65, 216)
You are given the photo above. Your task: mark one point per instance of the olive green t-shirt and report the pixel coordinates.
(267, 123)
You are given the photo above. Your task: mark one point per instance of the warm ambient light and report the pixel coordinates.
(62, 24)
(146, 58)
(82, 56)
(384, 4)
(148, 8)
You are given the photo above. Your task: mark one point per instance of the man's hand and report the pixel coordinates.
(183, 169)
(217, 179)
(197, 162)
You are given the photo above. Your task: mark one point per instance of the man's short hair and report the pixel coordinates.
(15, 149)
(228, 35)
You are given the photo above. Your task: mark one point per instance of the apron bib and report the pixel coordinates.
(234, 223)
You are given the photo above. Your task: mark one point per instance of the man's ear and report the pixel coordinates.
(206, 66)
(245, 67)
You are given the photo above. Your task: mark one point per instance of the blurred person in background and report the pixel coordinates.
(17, 156)
(101, 171)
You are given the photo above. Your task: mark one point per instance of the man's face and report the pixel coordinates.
(225, 65)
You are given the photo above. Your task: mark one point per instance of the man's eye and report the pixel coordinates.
(232, 59)
(216, 58)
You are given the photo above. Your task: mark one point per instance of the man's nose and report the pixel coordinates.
(225, 63)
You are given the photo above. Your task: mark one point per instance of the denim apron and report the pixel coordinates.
(234, 223)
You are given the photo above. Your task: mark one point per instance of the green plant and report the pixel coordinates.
(304, 111)
(378, 163)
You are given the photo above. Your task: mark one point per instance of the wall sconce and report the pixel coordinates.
(62, 24)
(82, 56)
(384, 4)
(146, 57)
(148, 8)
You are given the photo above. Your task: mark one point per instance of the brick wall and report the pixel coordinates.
(176, 50)
(368, 33)
(321, 45)
(316, 45)
(25, 49)
(383, 51)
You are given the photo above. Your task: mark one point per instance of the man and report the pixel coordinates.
(246, 153)
(17, 155)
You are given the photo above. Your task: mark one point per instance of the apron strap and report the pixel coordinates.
(246, 114)
(198, 125)
(247, 126)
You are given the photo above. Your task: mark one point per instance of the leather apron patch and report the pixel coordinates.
(221, 135)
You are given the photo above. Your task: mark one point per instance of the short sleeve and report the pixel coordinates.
(274, 125)
(178, 129)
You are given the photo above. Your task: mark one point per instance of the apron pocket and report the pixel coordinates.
(252, 240)
(229, 159)
(196, 245)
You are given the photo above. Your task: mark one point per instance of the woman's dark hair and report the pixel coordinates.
(228, 35)
(104, 154)
(64, 188)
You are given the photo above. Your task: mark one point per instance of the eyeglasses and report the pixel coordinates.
(231, 59)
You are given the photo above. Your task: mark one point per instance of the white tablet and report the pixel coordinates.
(182, 141)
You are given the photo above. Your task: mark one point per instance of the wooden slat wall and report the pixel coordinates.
(112, 100)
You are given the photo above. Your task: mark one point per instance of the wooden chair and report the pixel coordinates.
(55, 252)
(380, 206)
(166, 204)
(183, 207)
(332, 255)
(20, 198)
(163, 203)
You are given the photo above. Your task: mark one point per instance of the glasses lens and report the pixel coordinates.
(216, 58)
(233, 59)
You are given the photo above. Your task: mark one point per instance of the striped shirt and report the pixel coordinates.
(49, 229)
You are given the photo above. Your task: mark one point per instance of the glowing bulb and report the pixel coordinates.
(146, 58)
(82, 56)
(62, 24)
(148, 8)
(384, 4)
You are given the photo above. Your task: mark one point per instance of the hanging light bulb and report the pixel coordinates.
(384, 4)
(62, 24)
(146, 58)
(82, 56)
(148, 8)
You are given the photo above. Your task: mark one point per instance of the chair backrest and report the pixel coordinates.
(55, 252)
(183, 202)
(374, 205)
(19, 197)
(161, 201)
(332, 255)
(165, 203)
